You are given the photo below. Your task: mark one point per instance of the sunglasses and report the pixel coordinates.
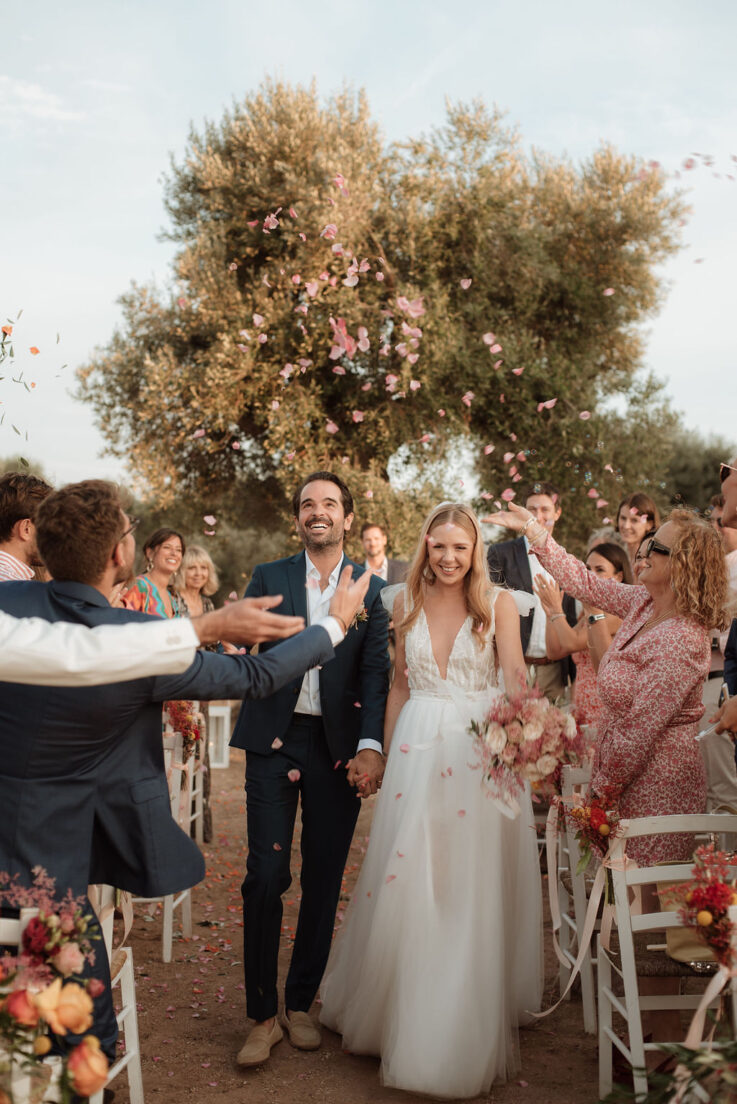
(724, 470)
(653, 545)
(134, 523)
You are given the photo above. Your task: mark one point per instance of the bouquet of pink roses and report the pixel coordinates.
(524, 738)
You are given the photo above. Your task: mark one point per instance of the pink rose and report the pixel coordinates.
(514, 732)
(508, 755)
(69, 959)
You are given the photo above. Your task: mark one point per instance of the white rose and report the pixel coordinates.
(570, 727)
(546, 764)
(495, 739)
(532, 731)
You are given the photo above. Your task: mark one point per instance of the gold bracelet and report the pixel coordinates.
(536, 536)
(342, 622)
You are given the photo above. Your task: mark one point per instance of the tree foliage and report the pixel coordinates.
(337, 302)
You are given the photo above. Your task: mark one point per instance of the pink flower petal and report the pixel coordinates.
(488, 449)
(547, 405)
(517, 371)
(495, 348)
(601, 503)
(508, 494)
(468, 398)
(331, 427)
(466, 283)
(292, 212)
(198, 433)
(358, 415)
(339, 370)
(412, 358)
(235, 445)
(276, 743)
(441, 413)
(508, 456)
(414, 385)
(390, 878)
(329, 231)
(209, 519)
(593, 493)
(379, 276)
(367, 386)
(262, 339)
(258, 319)
(489, 338)
(312, 287)
(461, 812)
(277, 847)
(404, 748)
(585, 415)
(294, 775)
(608, 291)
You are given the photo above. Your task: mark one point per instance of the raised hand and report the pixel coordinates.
(549, 593)
(515, 518)
(349, 596)
(247, 622)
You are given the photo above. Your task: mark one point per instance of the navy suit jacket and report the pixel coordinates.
(509, 565)
(353, 688)
(83, 789)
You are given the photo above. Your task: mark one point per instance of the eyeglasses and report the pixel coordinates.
(134, 523)
(724, 470)
(653, 545)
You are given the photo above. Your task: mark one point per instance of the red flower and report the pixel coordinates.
(35, 937)
(597, 817)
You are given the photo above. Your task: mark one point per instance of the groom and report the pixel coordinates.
(319, 739)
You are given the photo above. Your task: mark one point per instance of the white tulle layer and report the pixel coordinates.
(440, 954)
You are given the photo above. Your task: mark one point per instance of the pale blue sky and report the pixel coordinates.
(94, 96)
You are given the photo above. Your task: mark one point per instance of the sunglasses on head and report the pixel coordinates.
(653, 545)
(724, 470)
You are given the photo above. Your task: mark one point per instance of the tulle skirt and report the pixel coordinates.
(440, 955)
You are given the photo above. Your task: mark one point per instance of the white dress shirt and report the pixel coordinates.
(318, 604)
(382, 572)
(536, 648)
(61, 654)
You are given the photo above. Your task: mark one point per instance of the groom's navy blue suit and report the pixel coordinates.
(83, 789)
(353, 690)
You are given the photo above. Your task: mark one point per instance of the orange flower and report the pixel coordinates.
(65, 1008)
(88, 1067)
(21, 1007)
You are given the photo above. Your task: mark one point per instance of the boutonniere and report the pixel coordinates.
(362, 615)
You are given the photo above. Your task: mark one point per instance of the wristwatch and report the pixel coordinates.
(594, 617)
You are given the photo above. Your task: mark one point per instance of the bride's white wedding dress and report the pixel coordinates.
(440, 955)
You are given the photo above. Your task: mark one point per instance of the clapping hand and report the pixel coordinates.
(514, 518)
(549, 593)
(349, 596)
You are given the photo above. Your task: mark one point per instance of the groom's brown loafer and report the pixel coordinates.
(304, 1034)
(257, 1047)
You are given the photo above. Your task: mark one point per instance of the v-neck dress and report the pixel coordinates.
(650, 688)
(439, 958)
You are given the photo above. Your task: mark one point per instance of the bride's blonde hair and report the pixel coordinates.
(476, 583)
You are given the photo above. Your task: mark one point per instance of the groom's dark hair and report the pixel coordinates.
(327, 477)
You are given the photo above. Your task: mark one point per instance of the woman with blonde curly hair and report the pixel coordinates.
(650, 680)
(439, 957)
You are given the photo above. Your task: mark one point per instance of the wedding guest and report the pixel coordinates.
(510, 565)
(588, 640)
(194, 582)
(650, 679)
(319, 742)
(374, 540)
(152, 591)
(20, 496)
(637, 517)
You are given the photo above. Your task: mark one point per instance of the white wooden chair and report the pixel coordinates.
(22, 1084)
(218, 733)
(638, 946)
(573, 890)
(175, 771)
(122, 977)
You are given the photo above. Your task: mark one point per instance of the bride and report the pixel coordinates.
(440, 955)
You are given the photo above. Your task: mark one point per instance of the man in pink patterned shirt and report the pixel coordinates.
(20, 496)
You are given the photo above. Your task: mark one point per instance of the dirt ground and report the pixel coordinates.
(191, 1012)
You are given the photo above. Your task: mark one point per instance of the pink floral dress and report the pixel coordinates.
(650, 687)
(585, 690)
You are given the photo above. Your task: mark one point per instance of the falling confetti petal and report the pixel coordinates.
(34, 351)
(277, 847)
(608, 291)
(508, 494)
(466, 283)
(358, 415)
(585, 415)
(209, 519)
(488, 449)
(331, 427)
(198, 433)
(390, 878)
(517, 371)
(294, 775)
(461, 812)
(276, 743)
(404, 748)
(489, 338)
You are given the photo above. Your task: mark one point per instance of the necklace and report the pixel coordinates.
(653, 621)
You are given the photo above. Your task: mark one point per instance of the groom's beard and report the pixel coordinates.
(329, 537)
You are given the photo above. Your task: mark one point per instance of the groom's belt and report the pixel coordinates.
(539, 661)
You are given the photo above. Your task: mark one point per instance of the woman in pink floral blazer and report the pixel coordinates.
(650, 681)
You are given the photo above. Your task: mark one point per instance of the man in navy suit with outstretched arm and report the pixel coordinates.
(318, 739)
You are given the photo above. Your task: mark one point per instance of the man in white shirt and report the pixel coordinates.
(510, 565)
(20, 496)
(374, 541)
(318, 740)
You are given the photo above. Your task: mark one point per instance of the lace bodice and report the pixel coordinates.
(470, 668)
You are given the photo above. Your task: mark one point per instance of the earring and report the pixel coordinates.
(149, 565)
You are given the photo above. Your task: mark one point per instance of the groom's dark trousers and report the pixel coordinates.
(353, 691)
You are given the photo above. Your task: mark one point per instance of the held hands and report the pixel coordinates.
(549, 593)
(365, 771)
(349, 596)
(247, 622)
